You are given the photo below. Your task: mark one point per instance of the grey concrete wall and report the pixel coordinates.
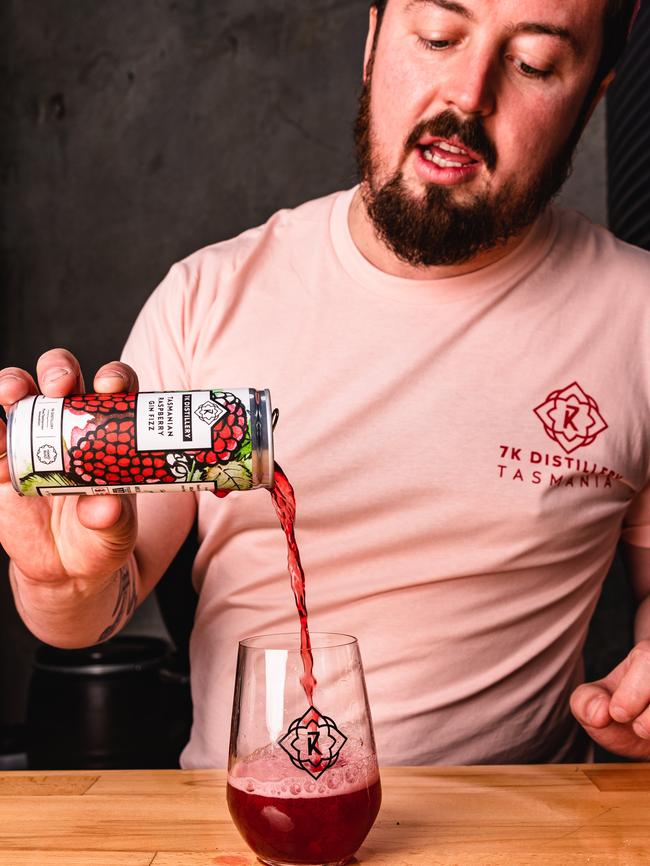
(136, 132)
(586, 189)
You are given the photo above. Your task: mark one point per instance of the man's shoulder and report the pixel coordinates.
(281, 231)
(598, 249)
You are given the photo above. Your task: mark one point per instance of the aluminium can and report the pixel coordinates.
(150, 441)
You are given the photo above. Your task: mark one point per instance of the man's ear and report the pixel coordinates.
(370, 40)
(602, 90)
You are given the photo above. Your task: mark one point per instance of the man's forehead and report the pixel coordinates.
(578, 10)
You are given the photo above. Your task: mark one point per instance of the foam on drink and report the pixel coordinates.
(287, 817)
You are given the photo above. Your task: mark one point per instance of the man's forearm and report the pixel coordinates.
(73, 614)
(637, 565)
(642, 621)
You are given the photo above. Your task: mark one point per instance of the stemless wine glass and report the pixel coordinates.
(303, 781)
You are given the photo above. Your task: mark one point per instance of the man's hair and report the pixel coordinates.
(616, 26)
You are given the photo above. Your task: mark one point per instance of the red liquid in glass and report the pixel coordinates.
(305, 830)
(284, 500)
(303, 821)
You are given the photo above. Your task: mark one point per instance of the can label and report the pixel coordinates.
(132, 443)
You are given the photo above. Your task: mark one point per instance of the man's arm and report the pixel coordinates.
(637, 564)
(71, 614)
(615, 711)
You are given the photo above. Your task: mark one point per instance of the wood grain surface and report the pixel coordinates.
(555, 815)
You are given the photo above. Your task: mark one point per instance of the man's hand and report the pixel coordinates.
(63, 538)
(615, 711)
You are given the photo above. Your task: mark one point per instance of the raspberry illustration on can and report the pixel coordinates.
(219, 440)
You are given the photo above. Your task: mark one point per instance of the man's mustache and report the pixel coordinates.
(469, 133)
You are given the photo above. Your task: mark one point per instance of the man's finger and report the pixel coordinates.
(59, 373)
(14, 385)
(4, 467)
(115, 377)
(641, 725)
(590, 705)
(632, 696)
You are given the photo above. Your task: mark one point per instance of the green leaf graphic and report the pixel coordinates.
(44, 479)
(230, 476)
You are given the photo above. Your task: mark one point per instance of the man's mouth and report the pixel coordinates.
(447, 153)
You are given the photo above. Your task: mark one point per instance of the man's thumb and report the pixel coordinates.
(112, 519)
(99, 512)
(590, 705)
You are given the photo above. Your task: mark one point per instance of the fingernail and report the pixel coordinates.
(9, 377)
(619, 713)
(111, 374)
(55, 374)
(641, 731)
(593, 708)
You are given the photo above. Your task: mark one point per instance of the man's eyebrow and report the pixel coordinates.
(546, 29)
(449, 5)
(542, 28)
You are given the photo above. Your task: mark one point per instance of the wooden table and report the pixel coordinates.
(566, 815)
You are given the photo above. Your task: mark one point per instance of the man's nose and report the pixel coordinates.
(472, 89)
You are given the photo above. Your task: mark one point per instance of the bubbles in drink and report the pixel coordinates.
(351, 775)
(333, 781)
(291, 817)
(267, 772)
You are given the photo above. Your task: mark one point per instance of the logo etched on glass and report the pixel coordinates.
(210, 412)
(571, 417)
(313, 743)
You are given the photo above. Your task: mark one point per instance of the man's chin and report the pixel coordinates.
(418, 191)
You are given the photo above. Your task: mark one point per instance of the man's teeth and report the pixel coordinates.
(443, 145)
(439, 161)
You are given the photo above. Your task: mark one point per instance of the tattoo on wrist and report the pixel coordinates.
(125, 604)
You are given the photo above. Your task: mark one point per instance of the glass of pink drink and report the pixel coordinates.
(303, 782)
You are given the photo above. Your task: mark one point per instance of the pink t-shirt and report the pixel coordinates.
(464, 452)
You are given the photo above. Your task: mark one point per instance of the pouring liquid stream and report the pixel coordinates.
(284, 501)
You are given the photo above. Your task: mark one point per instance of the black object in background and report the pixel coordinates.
(628, 139)
(105, 707)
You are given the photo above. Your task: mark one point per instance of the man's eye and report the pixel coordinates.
(435, 44)
(531, 71)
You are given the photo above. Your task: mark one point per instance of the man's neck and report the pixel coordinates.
(379, 255)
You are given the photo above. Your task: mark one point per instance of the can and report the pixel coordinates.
(150, 441)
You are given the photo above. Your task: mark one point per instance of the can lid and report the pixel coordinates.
(262, 423)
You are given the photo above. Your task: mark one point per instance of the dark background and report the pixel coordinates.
(133, 133)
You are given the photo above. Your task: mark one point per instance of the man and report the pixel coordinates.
(463, 380)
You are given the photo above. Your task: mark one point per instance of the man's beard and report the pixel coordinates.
(435, 229)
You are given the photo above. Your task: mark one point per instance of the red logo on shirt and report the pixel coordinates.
(571, 417)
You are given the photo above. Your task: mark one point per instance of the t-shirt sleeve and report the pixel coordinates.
(636, 526)
(156, 347)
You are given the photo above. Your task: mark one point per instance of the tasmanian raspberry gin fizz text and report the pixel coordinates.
(219, 440)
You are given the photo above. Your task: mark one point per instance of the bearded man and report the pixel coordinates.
(463, 376)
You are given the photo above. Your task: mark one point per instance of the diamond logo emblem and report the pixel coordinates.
(313, 743)
(571, 417)
(210, 412)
